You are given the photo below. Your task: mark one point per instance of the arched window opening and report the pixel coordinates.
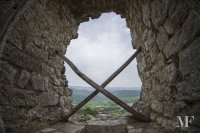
(102, 46)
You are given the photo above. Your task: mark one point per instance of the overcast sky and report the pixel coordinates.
(102, 46)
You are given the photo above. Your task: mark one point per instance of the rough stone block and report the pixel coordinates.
(56, 62)
(149, 64)
(50, 99)
(58, 89)
(34, 51)
(17, 57)
(63, 127)
(106, 128)
(160, 61)
(47, 70)
(142, 107)
(153, 70)
(1, 126)
(154, 51)
(195, 111)
(168, 74)
(11, 96)
(188, 90)
(57, 81)
(13, 115)
(158, 12)
(154, 116)
(7, 73)
(191, 28)
(65, 101)
(162, 38)
(169, 110)
(183, 36)
(39, 82)
(17, 37)
(69, 91)
(169, 26)
(177, 15)
(23, 78)
(29, 14)
(190, 58)
(146, 15)
(157, 107)
(141, 65)
(150, 39)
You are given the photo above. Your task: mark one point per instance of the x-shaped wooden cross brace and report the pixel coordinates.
(101, 89)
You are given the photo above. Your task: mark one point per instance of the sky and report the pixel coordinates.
(102, 46)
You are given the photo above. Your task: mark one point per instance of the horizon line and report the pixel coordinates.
(105, 87)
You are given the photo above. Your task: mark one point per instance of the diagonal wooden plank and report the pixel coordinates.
(106, 82)
(136, 114)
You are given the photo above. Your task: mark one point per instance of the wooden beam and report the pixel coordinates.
(137, 115)
(106, 82)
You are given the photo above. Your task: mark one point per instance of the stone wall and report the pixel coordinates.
(168, 32)
(33, 86)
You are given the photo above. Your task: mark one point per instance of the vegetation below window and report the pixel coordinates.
(101, 105)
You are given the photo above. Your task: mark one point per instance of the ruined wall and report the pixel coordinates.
(33, 87)
(168, 32)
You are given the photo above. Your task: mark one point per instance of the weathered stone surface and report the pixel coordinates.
(157, 106)
(141, 65)
(195, 111)
(168, 65)
(168, 74)
(142, 107)
(149, 40)
(162, 38)
(63, 128)
(190, 58)
(23, 78)
(17, 37)
(34, 114)
(188, 91)
(7, 73)
(69, 91)
(50, 99)
(151, 127)
(39, 28)
(1, 126)
(107, 125)
(36, 51)
(65, 101)
(58, 90)
(20, 59)
(158, 12)
(177, 14)
(183, 36)
(106, 129)
(169, 110)
(11, 96)
(146, 15)
(153, 52)
(160, 60)
(15, 114)
(39, 82)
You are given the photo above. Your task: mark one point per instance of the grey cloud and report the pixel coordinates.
(102, 46)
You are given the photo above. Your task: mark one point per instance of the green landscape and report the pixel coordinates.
(102, 105)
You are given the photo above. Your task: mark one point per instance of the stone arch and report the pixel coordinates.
(33, 86)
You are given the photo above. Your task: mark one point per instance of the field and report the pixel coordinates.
(102, 105)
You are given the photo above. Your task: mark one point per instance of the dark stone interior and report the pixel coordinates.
(33, 88)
